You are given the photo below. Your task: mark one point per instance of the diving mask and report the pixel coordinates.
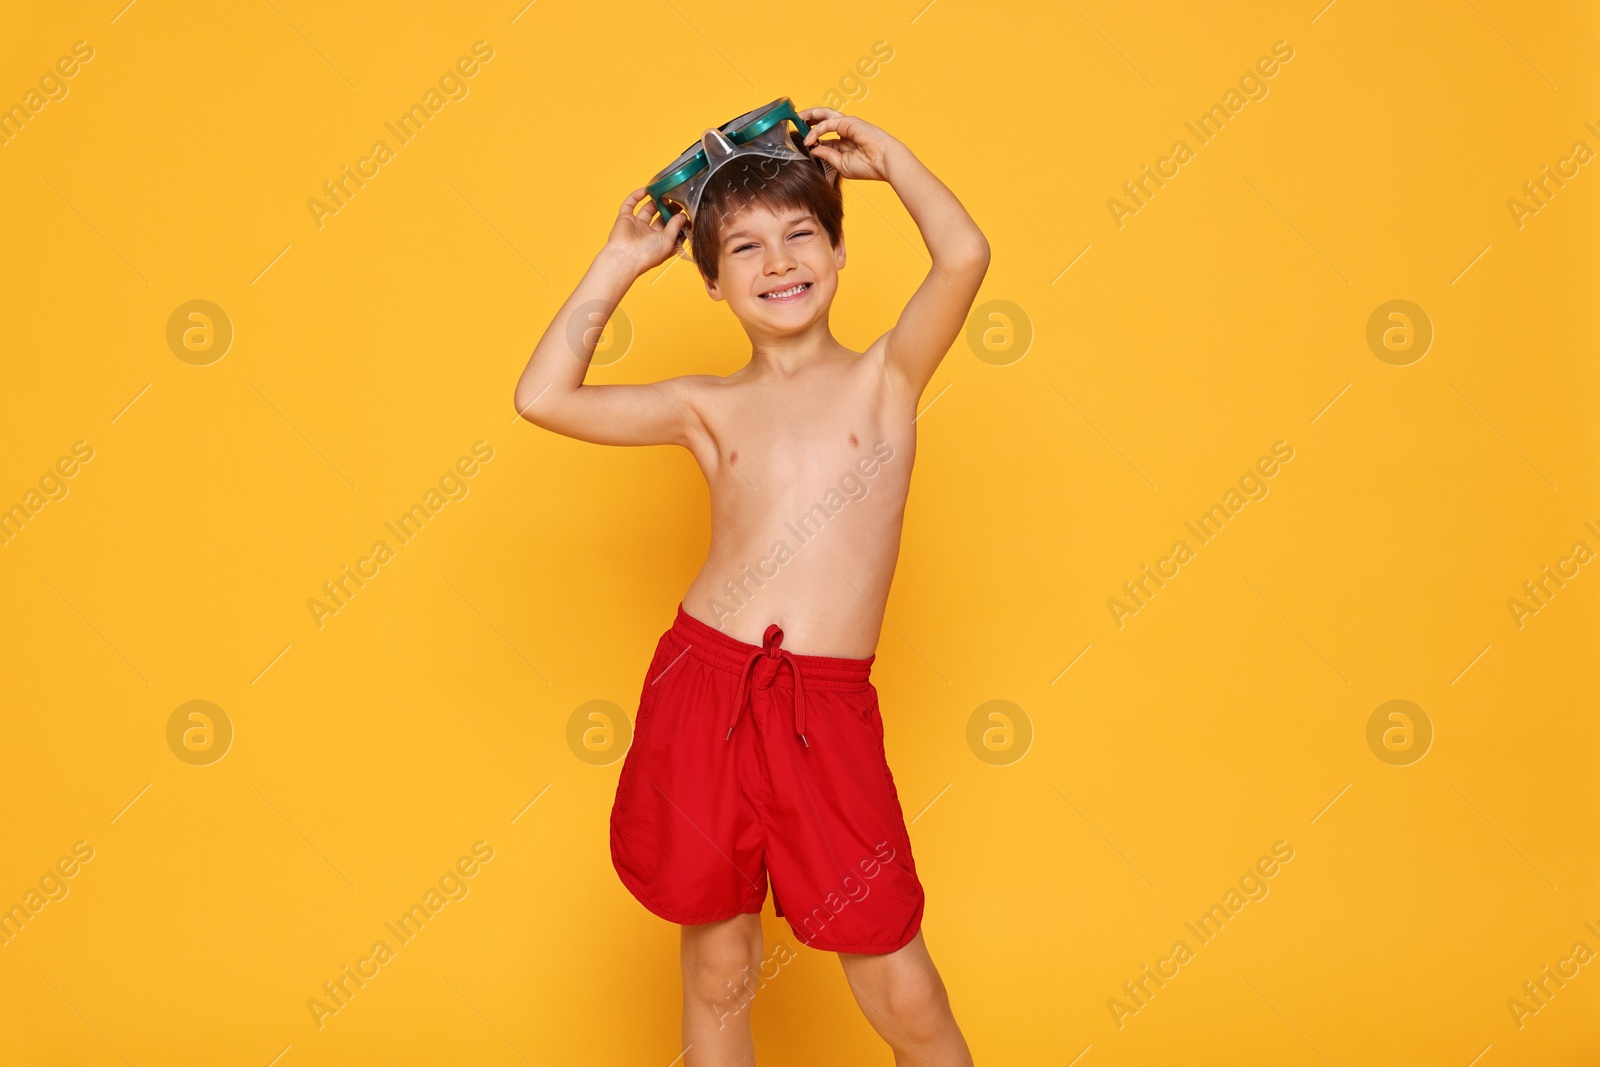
(756, 133)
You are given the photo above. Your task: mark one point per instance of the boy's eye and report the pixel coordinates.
(744, 246)
(801, 233)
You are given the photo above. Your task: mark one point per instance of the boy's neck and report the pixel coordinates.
(794, 352)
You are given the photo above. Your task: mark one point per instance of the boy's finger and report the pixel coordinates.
(826, 126)
(632, 201)
(829, 146)
(828, 155)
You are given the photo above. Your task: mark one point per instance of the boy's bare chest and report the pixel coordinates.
(799, 437)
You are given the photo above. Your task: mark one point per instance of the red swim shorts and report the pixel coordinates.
(752, 760)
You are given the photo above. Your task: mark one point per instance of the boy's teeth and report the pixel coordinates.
(787, 292)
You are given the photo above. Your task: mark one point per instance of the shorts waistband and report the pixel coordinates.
(725, 652)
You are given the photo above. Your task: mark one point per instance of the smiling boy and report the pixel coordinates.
(783, 619)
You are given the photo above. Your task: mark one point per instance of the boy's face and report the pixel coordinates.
(764, 253)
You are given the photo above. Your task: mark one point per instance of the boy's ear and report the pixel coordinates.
(713, 290)
(838, 253)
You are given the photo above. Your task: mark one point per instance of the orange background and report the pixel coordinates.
(1231, 712)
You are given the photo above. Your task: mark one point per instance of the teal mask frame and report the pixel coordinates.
(677, 187)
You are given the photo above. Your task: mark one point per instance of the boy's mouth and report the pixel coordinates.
(784, 296)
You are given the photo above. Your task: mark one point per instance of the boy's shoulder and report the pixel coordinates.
(696, 396)
(695, 386)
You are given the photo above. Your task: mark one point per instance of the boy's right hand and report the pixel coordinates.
(644, 239)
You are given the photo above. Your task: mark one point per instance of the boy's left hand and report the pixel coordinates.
(862, 150)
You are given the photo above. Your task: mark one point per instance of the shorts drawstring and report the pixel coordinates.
(770, 648)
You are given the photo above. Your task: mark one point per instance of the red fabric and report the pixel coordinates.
(749, 761)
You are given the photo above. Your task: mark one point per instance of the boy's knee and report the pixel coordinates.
(710, 973)
(723, 974)
(726, 951)
(918, 1005)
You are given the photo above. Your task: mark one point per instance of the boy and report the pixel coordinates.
(758, 746)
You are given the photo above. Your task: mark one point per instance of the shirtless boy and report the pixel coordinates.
(758, 748)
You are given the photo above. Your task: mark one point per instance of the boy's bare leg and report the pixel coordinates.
(904, 999)
(721, 965)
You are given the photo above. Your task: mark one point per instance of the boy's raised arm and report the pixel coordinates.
(934, 315)
(551, 392)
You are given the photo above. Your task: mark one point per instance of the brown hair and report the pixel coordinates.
(773, 183)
